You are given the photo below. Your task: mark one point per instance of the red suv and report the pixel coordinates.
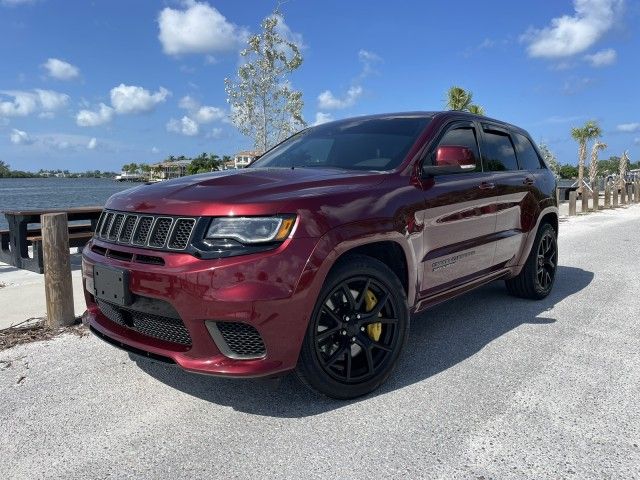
(314, 258)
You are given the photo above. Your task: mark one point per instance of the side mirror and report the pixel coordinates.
(451, 159)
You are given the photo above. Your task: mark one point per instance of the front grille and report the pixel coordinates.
(163, 328)
(160, 232)
(142, 232)
(147, 231)
(181, 233)
(242, 339)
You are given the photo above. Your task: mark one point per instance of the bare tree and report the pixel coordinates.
(264, 106)
(624, 164)
(593, 165)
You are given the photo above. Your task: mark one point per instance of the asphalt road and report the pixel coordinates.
(489, 387)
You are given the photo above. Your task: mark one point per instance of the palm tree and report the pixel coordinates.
(593, 166)
(460, 99)
(582, 135)
(477, 109)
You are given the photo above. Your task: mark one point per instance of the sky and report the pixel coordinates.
(88, 85)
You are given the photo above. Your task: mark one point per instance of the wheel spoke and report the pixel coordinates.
(331, 314)
(361, 295)
(325, 334)
(346, 291)
(385, 321)
(379, 306)
(349, 361)
(337, 355)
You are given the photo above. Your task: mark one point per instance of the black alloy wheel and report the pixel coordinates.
(357, 330)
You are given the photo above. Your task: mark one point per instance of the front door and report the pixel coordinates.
(459, 219)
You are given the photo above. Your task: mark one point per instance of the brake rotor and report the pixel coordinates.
(374, 330)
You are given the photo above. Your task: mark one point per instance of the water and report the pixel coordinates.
(35, 193)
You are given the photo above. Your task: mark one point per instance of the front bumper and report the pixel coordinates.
(271, 291)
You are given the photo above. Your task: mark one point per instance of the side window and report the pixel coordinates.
(462, 137)
(527, 155)
(498, 152)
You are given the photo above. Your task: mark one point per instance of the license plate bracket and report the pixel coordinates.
(111, 284)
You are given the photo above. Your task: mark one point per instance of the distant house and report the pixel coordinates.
(167, 170)
(243, 159)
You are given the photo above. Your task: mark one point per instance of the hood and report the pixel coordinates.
(251, 191)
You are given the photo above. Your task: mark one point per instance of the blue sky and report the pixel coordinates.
(94, 85)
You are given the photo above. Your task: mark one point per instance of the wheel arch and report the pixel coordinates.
(548, 215)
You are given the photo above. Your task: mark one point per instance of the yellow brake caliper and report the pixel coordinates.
(374, 330)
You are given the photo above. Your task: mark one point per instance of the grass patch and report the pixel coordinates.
(34, 330)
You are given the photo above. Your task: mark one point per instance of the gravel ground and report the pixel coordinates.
(489, 387)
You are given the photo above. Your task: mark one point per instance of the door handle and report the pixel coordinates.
(487, 186)
(528, 181)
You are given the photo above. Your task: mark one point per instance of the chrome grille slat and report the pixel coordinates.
(116, 224)
(158, 232)
(142, 230)
(128, 227)
(181, 233)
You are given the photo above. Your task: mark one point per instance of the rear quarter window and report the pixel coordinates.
(527, 156)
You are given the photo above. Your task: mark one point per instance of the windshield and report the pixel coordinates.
(357, 144)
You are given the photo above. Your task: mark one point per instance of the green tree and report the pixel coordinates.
(582, 135)
(264, 106)
(204, 163)
(462, 100)
(5, 171)
(568, 171)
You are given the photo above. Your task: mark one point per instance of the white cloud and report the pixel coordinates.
(197, 115)
(368, 60)
(216, 133)
(602, 58)
(198, 29)
(328, 101)
(88, 118)
(629, 127)
(132, 99)
(50, 100)
(19, 137)
(23, 103)
(572, 34)
(155, 150)
(322, 117)
(93, 143)
(61, 70)
(207, 114)
(184, 126)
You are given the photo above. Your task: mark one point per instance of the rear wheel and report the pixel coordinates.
(536, 279)
(357, 330)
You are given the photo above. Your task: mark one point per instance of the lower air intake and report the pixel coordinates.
(163, 328)
(237, 340)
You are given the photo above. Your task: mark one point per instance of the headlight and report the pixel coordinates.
(248, 230)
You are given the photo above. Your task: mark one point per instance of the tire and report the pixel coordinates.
(538, 275)
(345, 357)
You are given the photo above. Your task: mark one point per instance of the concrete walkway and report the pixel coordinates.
(22, 293)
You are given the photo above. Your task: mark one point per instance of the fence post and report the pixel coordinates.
(573, 196)
(595, 194)
(614, 192)
(623, 194)
(607, 194)
(557, 196)
(637, 185)
(57, 270)
(585, 200)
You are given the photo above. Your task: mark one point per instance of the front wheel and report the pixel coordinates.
(539, 272)
(357, 330)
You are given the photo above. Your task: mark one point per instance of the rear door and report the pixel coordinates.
(460, 217)
(512, 189)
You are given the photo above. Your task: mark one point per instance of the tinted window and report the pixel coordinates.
(461, 137)
(356, 144)
(498, 152)
(527, 156)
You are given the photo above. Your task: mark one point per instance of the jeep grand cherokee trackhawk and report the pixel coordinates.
(313, 259)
